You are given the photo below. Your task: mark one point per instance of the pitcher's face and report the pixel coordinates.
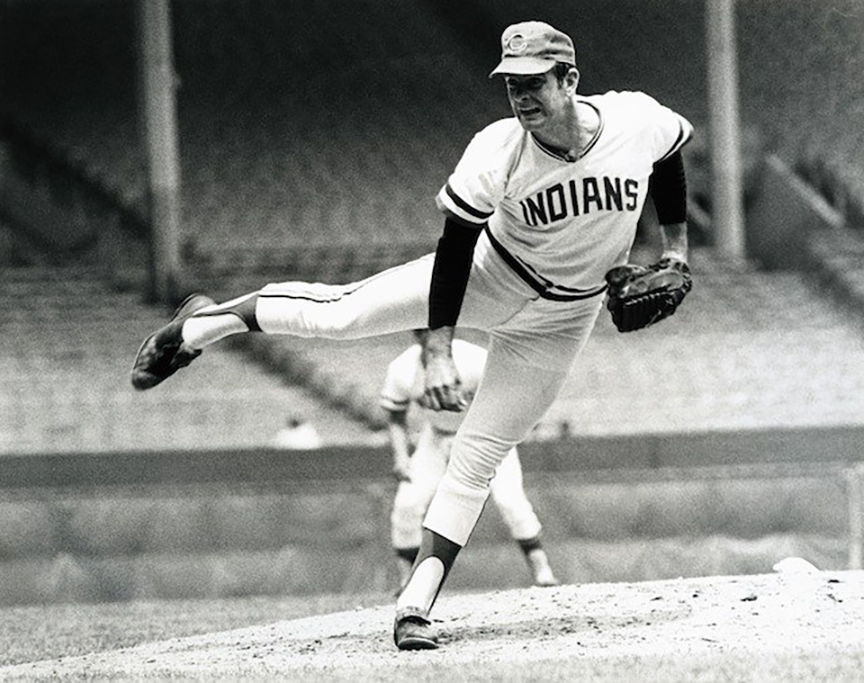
(540, 100)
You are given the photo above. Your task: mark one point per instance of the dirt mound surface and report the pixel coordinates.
(794, 625)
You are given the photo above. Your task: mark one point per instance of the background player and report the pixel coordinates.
(419, 472)
(538, 210)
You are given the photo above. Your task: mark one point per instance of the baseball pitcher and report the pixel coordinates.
(539, 213)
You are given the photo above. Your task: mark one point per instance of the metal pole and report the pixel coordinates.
(158, 114)
(726, 175)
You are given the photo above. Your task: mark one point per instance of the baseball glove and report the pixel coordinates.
(640, 296)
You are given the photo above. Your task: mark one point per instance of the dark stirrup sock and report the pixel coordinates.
(245, 310)
(408, 554)
(435, 545)
(529, 544)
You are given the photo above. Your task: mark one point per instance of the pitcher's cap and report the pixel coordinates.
(533, 47)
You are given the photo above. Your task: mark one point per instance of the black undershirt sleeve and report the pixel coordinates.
(668, 188)
(450, 273)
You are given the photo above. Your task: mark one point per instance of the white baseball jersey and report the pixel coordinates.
(404, 382)
(565, 221)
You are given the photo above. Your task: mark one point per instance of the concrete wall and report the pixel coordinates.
(178, 525)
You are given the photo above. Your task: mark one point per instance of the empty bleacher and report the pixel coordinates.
(331, 123)
(748, 350)
(66, 344)
(313, 138)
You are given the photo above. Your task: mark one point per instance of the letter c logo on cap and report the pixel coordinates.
(517, 43)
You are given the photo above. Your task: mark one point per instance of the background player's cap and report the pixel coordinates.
(533, 47)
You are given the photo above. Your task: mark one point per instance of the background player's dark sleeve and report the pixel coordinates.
(450, 273)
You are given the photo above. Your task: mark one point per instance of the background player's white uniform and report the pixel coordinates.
(403, 387)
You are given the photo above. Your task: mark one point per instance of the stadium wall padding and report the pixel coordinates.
(311, 522)
(203, 520)
(805, 445)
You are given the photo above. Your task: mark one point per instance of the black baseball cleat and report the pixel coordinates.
(413, 631)
(163, 353)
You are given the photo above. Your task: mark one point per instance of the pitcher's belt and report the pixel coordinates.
(539, 285)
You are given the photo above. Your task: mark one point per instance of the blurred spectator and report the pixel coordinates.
(298, 434)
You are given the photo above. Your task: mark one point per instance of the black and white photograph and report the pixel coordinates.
(422, 340)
